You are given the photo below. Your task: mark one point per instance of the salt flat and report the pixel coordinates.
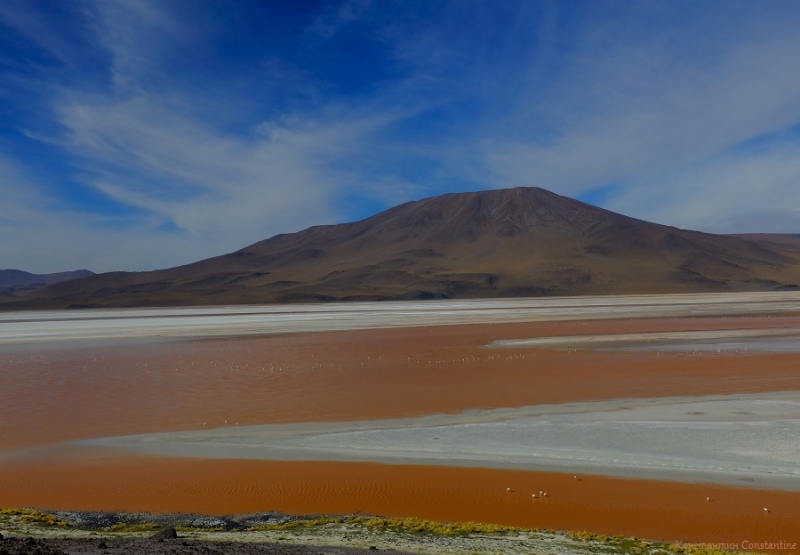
(736, 439)
(220, 321)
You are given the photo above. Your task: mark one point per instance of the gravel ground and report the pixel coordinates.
(149, 546)
(31, 532)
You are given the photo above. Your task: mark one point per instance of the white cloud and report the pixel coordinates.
(137, 34)
(634, 96)
(738, 192)
(21, 199)
(653, 117)
(201, 191)
(225, 191)
(40, 236)
(41, 30)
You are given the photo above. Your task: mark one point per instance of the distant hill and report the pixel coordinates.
(17, 282)
(500, 243)
(790, 240)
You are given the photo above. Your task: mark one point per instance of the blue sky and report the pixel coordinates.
(141, 134)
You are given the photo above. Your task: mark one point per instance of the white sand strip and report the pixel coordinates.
(747, 440)
(41, 326)
(780, 339)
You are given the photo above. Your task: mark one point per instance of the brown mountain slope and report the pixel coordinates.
(789, 240)
(17, 282)
(514, 242)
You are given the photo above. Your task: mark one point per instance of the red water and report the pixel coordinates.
(54, 395)
(650, 509)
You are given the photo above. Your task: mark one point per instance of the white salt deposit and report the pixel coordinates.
(219, 321)
(739, 439)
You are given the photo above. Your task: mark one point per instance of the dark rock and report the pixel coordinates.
(102, 545)
(214, 522)
(165, 534)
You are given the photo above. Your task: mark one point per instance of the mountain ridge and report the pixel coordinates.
(19, 282)
(497, 243)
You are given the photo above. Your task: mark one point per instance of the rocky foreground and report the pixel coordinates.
(146, 546)
(34, 532)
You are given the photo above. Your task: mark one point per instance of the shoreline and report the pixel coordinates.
(37, 532)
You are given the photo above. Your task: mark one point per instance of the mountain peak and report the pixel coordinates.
(498, 243)
(457, 217)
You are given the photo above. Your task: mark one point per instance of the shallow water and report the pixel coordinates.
(644, 508)
(69, 393)
(89, 390)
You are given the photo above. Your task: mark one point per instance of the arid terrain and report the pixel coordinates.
(71, 532)
(83, 418)
(15, 283)
(506, 243)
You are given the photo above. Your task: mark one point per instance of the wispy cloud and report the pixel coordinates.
(746, 190)
(224, 191)
(333, 19)
(198, 186)
(143, 134)
(36, 230)
(649, 113)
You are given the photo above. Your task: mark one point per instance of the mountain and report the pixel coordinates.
(17, 282)
(791, 240)
(500, 243)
